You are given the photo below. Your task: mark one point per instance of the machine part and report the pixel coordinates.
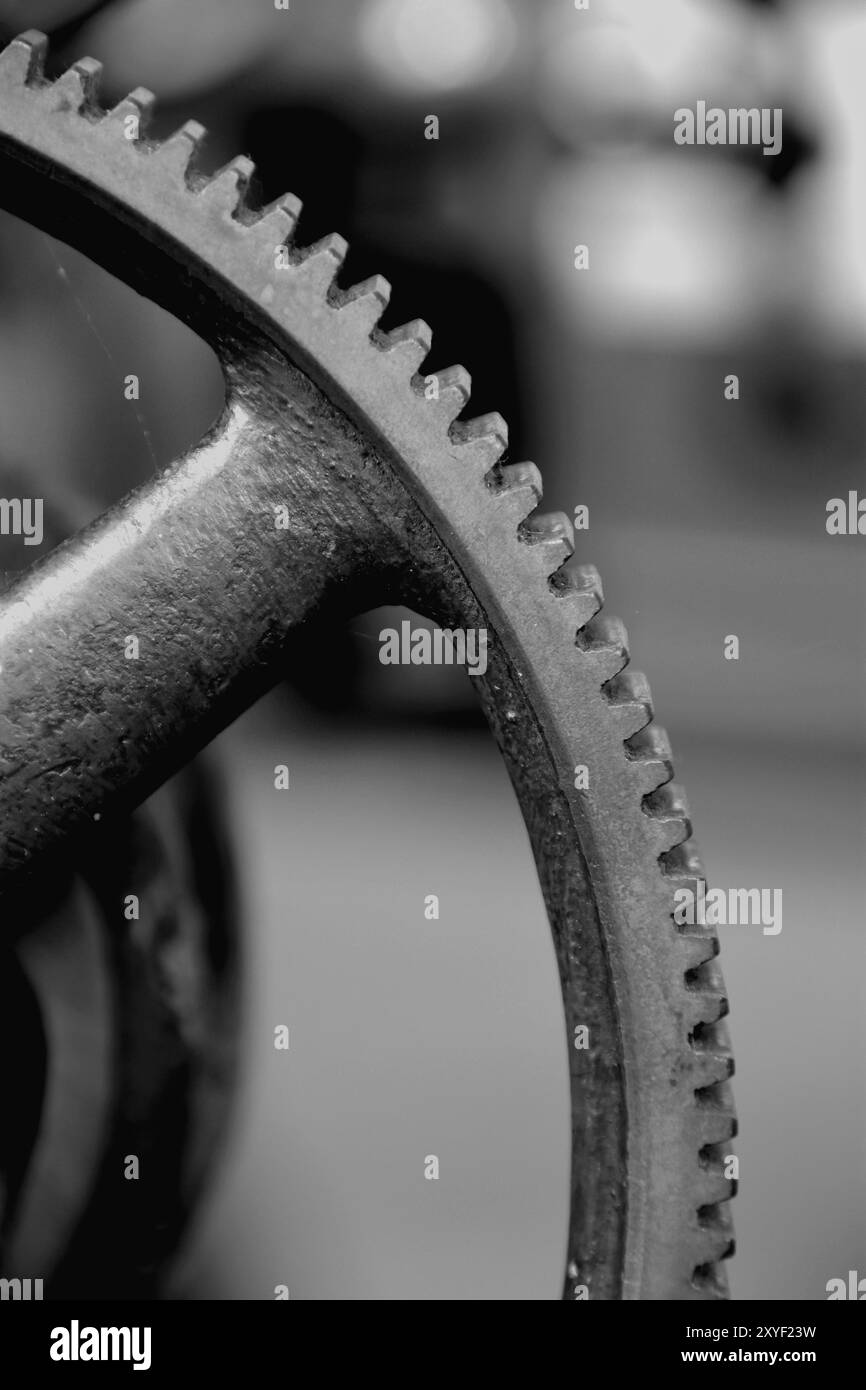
(121, 1025)
(122, 1032)
(391, 498)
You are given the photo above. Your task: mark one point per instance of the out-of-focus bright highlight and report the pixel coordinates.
(441, 45)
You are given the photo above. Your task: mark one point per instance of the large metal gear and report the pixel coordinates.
(392, 497)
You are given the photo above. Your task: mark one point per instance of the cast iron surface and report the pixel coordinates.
(392, 498)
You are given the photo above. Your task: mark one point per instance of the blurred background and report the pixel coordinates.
(707, 518)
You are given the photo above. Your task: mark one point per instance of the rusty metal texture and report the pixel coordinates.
(392, 497)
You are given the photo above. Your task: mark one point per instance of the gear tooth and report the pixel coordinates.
(668, 809)
(606, 638)
(652, 744)
(698, 945)
(24, 58)
(711, 1180)
(714, 1119)
(715, 1235)
(631, 701)
(713, 1063)
(226, 191)
(630, 715)
(480, 442)
(668, 832)
(178, 154)
(365, 302)
(712, 1037)
(630, 688)
(547, 528)
(77, 87)
(711, 1068)
(551, 535)
(709, 1281)
(140, 103)
(705, 997)
(580, 587)
(518, 489)
(272, 230)
(454, 387)
(277, 221)
(668, 802)
(406, 346)
(683, 862)
(321, 261)
(709, 977)
(712, 1186)
(714, 1124)
(650, 751)
(718, 1214)
(579, 584)
(705, 1006)
(519, 486)
(714, 1189)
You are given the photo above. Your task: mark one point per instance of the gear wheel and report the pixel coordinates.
(391, 498)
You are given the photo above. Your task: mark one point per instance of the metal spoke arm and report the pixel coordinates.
(133, 643)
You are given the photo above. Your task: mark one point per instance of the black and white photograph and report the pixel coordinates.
(432, 670)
